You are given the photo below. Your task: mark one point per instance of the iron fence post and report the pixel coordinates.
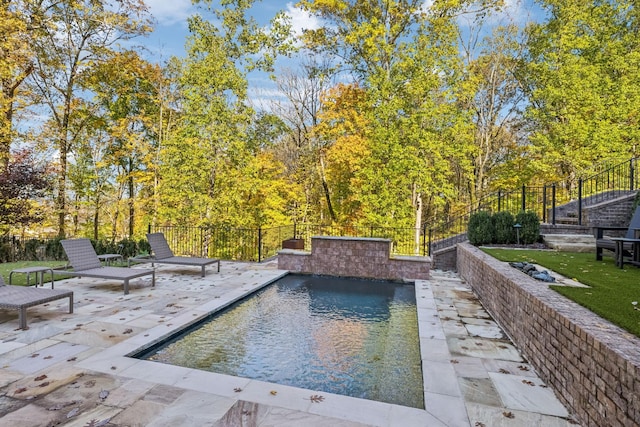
(430, 237)
(499, 200)
(553, 204)
(544, 203)
(524, 201)
(580, 201)
(259, 244)
(631, 173)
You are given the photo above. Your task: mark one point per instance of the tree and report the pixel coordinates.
(75, 36)
(126, 87)
(16, 65)
(343, 129)
(582, 70)
(405, 56)
(494, 96)
(302, 151)
(209, 165)
(21, 183)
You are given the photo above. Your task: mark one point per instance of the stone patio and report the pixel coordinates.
(72, 369)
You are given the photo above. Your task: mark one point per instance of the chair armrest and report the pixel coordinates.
(597, 230)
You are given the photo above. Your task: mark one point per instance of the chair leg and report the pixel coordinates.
(71, 303)
(126, 286)
(153, 279)
(22, 317)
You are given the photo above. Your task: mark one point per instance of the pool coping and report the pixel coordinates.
(443, 398)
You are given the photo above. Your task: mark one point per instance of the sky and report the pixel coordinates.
(171, 32)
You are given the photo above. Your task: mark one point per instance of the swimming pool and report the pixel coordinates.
(347, 336)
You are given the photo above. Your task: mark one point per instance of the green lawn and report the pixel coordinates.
(21, 279)
(612, 293)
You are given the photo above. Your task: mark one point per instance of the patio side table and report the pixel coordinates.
(109, 258)
(39, 271)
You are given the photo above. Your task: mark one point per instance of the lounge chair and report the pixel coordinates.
(85, 263)
(162, 254)
(22, 297)
(626, 243)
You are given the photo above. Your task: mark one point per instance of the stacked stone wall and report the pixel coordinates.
(354, 257)
(592, 365)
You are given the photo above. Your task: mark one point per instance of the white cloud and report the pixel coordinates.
(169, 12)
(301, 20)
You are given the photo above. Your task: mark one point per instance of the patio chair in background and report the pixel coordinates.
(85, 263)
(162, 254)
(626, 243)
(22, 297)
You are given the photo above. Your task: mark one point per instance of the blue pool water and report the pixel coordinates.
(347, 336)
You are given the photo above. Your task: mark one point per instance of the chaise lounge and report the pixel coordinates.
(22, 297)
(162, 254)
(622, 247)
(85, 263)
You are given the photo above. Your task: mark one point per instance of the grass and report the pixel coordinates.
(614, 293)
(21, 278)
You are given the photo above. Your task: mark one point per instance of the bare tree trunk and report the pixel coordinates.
(417, 203)
(325, 187)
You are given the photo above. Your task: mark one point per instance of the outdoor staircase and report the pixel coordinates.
(571, 242)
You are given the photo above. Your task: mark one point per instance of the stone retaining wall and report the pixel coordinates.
(354, 257)
(592, 365)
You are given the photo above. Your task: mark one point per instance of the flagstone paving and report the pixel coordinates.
(72, 369)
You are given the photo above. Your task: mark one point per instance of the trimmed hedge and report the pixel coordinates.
(480, 230)
(530, 230)
(504, 233)
(485, 228)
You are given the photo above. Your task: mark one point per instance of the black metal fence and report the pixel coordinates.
(258, 244)
(549, 202)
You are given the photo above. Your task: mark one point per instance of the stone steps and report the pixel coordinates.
(570, 242)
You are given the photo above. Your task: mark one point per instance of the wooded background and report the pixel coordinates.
(399, 114)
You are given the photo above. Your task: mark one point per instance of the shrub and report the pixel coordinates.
(530, 227)
(504, 232)
(480, 229)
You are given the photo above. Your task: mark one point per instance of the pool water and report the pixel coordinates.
(347, 336)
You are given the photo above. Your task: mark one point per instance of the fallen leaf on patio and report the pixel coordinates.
(40, 378)
(273, 392)
(508, 414)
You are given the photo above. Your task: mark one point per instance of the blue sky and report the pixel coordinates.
(171, 30)
(170, 34)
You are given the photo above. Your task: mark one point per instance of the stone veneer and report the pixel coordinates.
(592, 365)
(354, 257)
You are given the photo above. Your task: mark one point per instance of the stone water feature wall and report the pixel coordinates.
(354, 257)
(592, 365)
